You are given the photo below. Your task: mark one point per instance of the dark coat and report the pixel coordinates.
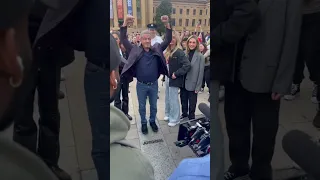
(231, 20)
(135, 52)
(179, 64)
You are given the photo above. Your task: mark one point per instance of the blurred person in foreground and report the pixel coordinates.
(126, 161)
(51, 51)
(16, 162)
(264, 67)
(230, 21)
(192, 169)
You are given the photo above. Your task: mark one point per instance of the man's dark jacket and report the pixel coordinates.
(231, 21)
(135, 53)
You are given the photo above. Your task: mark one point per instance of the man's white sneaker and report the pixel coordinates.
(166, 118)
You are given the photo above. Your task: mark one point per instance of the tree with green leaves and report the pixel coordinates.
(165, 8)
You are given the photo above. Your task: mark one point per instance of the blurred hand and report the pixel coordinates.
(164, 19)
(128, 20)
(173, 76)
(276, 96)
(196, 92)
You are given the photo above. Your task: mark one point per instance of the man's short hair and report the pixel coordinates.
(145, 32)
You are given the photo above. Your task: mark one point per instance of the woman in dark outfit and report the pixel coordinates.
(124, 89)
(193, 79)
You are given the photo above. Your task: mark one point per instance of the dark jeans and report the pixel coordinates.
(98, 105)
(241, 109)
(188, 102)
(47, 83)
(309, 49)
(206, 77)
(143, 92)
(124, 90)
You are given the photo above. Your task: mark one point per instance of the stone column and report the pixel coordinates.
(115, 13)
(134, 11)
(143, 14)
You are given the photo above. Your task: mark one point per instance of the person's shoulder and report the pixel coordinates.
(127, 162)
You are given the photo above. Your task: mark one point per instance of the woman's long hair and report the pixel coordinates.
(197, 47)
(205, 48)
(169, 52)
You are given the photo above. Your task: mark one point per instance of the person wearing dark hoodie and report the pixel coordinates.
(126, 161)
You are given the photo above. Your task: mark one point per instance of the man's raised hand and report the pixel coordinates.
(128, 20)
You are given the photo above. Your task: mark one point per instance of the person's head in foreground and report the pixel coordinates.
(192, 44)
(174, 45)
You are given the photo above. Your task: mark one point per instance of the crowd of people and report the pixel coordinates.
(256, 50)
(184, 63)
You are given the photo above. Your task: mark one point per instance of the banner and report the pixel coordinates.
(129, 3)
(111, 10)
(120, 9)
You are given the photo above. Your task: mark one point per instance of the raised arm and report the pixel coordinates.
(168, 37)
(123, 35)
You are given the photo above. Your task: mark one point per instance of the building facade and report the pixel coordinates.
(186, 14)
(140, 9)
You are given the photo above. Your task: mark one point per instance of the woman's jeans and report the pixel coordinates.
(172, 110)
(98, 105)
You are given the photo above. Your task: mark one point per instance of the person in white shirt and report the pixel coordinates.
(154, 37)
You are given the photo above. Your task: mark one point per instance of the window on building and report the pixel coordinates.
(206, 11)
(200, 21)
(180, 22)
(193, 22)
(200, 12)
(173, 21)
(194, 12)
(205, 22)
(187, 11)
(187, 22)
(173, 10)
(181, 11)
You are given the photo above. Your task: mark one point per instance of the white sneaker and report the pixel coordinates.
(172, 124)
(166, 118)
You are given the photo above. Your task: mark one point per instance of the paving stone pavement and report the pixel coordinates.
(76, 135)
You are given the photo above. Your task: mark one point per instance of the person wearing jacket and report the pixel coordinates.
(264, 68)
(124, 82)
(178, 65)
(230, 21)
(193, 79)
(50, 53)
(126, 161)
(146, 63)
